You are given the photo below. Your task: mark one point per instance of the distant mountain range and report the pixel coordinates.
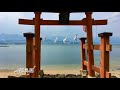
(19, 39)
(11, 39)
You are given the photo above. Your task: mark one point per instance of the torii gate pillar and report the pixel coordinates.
(89, 43)
(37, 50)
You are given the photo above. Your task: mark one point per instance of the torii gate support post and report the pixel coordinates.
(90, 53)
(83, 55)
(104, 55)
(40, 52)
(29, 54)
(37, 43)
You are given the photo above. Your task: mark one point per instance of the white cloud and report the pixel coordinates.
(115, 14)
(114, 17)
(9, 22)
(50, 16)
(77, 16)
(11, 15)
(55, 16)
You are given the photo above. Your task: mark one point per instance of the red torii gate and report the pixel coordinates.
(37, 21)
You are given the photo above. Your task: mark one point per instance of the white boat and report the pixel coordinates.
(55, 39)
(75, 38)
(64, 40)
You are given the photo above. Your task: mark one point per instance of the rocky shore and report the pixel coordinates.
(42, 75)
(61, 76)
(53, 76)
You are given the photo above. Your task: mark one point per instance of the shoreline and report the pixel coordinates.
(6, 73)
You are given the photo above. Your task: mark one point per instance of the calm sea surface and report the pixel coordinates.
(59, 56)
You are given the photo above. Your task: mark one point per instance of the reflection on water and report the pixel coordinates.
(58, 56)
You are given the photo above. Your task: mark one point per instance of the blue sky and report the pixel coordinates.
(9, 24)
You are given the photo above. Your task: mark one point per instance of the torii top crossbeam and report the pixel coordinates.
(88, 21)
(57, 22)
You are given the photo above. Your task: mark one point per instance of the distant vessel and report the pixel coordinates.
(64, 40)
(55, 39)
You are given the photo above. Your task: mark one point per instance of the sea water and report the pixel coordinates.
(58, 56)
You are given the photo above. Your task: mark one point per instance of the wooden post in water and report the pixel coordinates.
(91, 73)
(83, 56)
(29, 54)
(105, 47)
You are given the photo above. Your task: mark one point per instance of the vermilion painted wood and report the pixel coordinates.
(40, 54)
(85, 63)
(94, 68)
(29, 53)
(104, 55)
(89, 43)
(37, 42)
(108, 75)
(56, 22)
(83, 56)
(97, 47)
(34, 62)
